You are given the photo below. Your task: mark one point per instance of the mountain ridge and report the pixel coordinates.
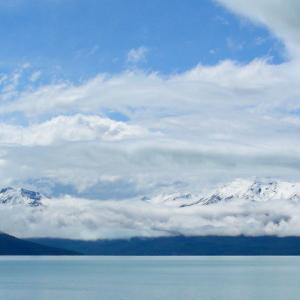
(10, 245)
(237, 190)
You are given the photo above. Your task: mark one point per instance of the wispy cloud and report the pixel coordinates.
(282, 18)
(35, 76)
(137, 55)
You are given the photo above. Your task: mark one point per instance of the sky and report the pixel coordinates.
(67, 40)
(120, 99)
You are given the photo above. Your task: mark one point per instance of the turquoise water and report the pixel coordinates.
(145, 278)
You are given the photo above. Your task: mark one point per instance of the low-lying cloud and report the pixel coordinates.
(86, 219)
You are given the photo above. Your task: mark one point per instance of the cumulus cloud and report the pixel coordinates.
(69, 129)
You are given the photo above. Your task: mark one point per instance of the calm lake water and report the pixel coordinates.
(145, 278)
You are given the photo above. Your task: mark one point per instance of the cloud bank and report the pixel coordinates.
(89, 220)
(207, 125)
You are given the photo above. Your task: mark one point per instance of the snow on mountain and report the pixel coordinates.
(237, 190)
(175, 199)
(20, 196)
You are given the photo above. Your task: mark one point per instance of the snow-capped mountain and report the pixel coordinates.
(237, 190)
(20, 196)
(258, 190)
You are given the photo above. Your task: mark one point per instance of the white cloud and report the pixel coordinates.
(206, 125)
(137, 55)
(281, 16)
(35, 76)
(85, 219)
(69, 129)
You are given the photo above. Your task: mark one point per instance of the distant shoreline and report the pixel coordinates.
(182, 246)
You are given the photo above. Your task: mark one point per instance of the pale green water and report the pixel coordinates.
(145, 278)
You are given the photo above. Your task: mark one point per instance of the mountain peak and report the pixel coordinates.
(259, 190)
(20, 196)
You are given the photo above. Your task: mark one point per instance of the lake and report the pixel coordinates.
(149, 278)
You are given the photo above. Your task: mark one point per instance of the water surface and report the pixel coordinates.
(149, 278)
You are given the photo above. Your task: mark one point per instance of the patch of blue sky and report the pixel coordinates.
(75, 40)
(14, 118)
(116, 115)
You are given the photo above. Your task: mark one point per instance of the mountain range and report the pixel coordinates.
(239, 191)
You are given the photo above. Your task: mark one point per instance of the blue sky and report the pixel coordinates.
(75, 40)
